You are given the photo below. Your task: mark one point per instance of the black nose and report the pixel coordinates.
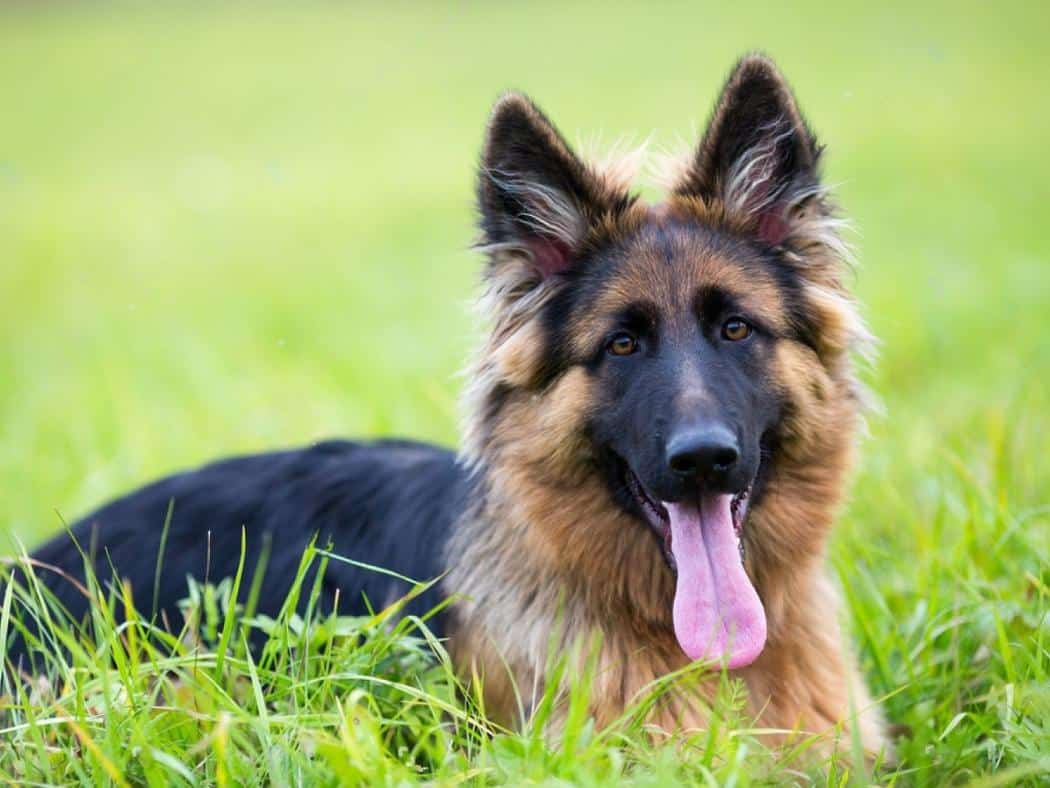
(702, 452)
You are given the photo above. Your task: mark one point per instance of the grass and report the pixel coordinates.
(226, 228)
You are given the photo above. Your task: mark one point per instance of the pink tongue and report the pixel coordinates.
(717, 612)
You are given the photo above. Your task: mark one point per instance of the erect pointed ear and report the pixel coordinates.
(757, 156)
(534, 195)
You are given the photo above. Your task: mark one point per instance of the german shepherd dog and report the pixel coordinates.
(660, 422)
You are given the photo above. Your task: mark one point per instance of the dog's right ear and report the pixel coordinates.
(535, 196)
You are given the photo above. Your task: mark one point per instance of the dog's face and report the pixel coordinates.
(701, 336)
(679, 329)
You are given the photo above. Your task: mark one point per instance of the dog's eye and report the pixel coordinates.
(622, 344)
(736, 330)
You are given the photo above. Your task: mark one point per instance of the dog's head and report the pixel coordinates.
(692, 357)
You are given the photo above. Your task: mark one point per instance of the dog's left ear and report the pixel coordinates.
(758, 157)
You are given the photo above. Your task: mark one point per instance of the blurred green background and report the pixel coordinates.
(228, 227)
(224, 228)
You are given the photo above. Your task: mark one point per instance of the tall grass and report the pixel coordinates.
(232, 227)
(229, 697)
(122, 699)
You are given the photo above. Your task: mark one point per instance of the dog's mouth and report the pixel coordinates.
(717, 612)
(658, 519)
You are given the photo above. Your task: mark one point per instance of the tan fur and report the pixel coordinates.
(564, 550)
(564, 553)
(546, 558)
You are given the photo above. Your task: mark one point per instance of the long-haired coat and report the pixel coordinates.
(659, 426)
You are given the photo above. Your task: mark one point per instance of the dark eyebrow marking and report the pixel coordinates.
(639, 315)
(711, 301)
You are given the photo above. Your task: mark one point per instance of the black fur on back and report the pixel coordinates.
(388, 504)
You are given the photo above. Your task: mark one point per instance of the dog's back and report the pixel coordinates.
(387, 504)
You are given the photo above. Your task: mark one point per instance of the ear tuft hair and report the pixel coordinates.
(758, 156)
(535, 196)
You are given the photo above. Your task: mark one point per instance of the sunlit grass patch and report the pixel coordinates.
(233, 698)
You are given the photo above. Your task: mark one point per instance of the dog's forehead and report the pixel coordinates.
(666, 262)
